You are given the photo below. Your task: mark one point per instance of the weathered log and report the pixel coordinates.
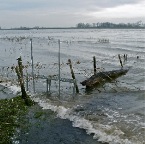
(103, 76)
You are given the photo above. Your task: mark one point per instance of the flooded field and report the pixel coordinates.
(112, 113)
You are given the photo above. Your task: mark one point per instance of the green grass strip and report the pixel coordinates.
(11, 115)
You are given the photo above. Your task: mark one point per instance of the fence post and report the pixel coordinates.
(120, 60)
(126, 57)
(19, 71)
(59, 66)
(73, 75)
(47, 86)
(32, 65)
(74, 88)
(94, 62)
(27, 82)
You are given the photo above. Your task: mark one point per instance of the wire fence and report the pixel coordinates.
(45, 54)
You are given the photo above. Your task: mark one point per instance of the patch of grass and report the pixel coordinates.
(38, 114)
(11, 113)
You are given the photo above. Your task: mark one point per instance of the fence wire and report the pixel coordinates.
(45, 53)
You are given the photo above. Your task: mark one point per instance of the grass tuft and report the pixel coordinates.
(11, 115)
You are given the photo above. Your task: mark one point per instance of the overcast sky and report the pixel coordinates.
(53, 13)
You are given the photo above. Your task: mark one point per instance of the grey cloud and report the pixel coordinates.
(54, 12)
(62, 4)
(113, 3)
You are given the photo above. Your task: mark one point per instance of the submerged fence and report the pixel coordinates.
(45, 62)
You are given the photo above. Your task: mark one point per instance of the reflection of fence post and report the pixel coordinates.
(94, 62)
(73, 75)
(32, 66)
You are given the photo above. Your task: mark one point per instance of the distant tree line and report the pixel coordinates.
(138, 24)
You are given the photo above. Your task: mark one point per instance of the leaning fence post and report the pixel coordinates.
(94, 62)
(73, 75)
(74, 88)
(19, 71)
(120, 60)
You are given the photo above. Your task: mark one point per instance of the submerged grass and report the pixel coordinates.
(11, 117)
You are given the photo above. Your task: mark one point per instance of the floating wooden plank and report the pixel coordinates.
(103, 77)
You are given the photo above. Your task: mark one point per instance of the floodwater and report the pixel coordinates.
(112, 113)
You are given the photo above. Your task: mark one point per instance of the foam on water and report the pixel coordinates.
(99, 130)
(13, 88)
(80, 122)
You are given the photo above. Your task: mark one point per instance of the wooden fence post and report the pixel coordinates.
(94, 63)
(120, 60)
(19, 71)
(27, 79)
(73, 75)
